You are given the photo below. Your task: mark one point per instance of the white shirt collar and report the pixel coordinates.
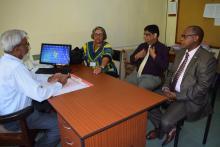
(6, 55)
(193, 51)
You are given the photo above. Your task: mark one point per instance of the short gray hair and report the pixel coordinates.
(11, 38)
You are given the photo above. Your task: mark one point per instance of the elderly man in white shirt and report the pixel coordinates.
(19, 86)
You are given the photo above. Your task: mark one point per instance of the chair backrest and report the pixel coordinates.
(116, 55)
(21, 114)
(117, 59)
(22, 137)
(4, 130)
(213, 89)
(121, 59)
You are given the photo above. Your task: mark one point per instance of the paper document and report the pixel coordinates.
(212, 11)
(172, 9)
(217, 22)
(74, 83)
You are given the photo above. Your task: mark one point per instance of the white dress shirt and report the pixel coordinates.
(179, 81)
(18, 86)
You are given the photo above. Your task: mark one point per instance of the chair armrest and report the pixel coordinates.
(129, 68)
(21, 114)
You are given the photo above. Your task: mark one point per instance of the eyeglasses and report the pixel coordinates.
(98, 34)
(147, 34)
(184, 36)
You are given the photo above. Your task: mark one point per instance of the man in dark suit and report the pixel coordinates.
(186, 86)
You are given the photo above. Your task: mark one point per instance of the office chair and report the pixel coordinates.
(117, 56)
(24, 137)
(212, 93)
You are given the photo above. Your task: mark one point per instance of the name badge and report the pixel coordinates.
(92, 64)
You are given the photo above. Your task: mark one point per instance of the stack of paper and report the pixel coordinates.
(74, 83)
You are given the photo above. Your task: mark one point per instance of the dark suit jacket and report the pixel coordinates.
(195, 84)
(218, 65)
(155, 66)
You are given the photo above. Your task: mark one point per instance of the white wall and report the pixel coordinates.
(71, 21)
(171, 28)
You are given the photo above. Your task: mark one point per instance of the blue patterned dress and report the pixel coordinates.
(96, 55)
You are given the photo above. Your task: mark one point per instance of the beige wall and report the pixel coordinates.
(171, 30)
(1, 53)
(71, 21)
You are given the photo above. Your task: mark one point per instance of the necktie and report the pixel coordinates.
(141, 67)
(178, 73)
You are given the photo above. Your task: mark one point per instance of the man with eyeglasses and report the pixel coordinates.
(186, 86)
(151, 60)
(18, 87)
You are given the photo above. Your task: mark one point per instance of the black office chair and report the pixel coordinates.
(212, 93)
(24, 137)
(117, 56)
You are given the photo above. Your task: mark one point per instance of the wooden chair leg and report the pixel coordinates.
(28, 141)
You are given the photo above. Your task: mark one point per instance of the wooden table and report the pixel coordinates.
(112, 113)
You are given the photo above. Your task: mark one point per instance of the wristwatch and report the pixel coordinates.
(102, 68)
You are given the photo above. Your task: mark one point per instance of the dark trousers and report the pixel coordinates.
(42, 106)
(41, 120)
(165, 121)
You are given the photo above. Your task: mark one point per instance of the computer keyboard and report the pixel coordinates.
(53, 70)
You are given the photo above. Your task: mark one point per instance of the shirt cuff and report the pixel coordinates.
(59, 84)
(165, 88)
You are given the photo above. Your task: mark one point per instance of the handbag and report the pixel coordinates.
(76, 56)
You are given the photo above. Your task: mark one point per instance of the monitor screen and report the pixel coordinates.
(57, 54)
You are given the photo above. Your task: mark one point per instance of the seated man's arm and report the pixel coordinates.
(139, 51)
(33, 89)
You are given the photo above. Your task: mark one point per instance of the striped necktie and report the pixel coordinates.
(178, 73)
(141, 67)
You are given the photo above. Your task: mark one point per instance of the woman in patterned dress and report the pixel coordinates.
(98, 53)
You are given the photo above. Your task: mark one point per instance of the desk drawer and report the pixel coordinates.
(68, 137)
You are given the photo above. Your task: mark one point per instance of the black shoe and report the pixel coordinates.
(169, 137)
(153, 134)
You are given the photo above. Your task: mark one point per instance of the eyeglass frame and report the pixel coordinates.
(148, 34)
(98, 34)
(184, 36)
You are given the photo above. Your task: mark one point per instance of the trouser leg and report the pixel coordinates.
(42, 106)
(132, 78)
(48, 122)
(149, 82)
(155, 115)
(175, 112)
(167, 120)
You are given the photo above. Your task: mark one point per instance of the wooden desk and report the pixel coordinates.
(112, 113)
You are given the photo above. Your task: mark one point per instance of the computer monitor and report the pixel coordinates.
(55, 54)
